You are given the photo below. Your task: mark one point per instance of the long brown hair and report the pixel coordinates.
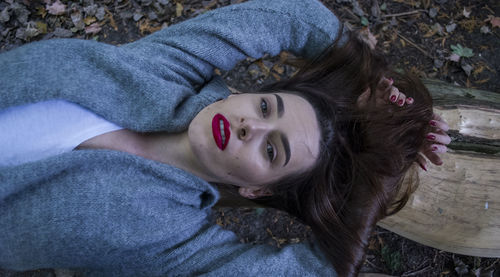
(365, 153)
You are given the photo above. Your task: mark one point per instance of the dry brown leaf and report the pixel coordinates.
(89, 20)
(279, 69)
(112, 22)
(145, 26)
(93, 29)
(478, 70)
(482, 81)
(41, 11)
(469, 24)
(178, 9)
(276, 76)
(494, 21)
(403, 42)
(42, 27)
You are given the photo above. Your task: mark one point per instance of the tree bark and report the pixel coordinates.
(456, 207)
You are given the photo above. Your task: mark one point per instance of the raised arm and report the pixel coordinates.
(158, 82)
(222, 37)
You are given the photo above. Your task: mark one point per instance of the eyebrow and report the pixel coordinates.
(284, 139)
(281, 107)
(286, 145)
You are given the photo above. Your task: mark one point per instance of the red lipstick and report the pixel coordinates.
(221, 131)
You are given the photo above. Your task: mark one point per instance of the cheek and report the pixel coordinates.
(245, 169)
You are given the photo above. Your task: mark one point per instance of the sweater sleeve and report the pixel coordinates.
(158, 83)
(222, 37)
(219, 253)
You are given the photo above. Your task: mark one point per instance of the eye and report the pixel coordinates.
(270, 151)
(263, 107)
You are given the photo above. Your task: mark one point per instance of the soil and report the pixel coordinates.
(417, 35)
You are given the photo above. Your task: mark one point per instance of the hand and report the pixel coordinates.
(384, 91)
(436, 143)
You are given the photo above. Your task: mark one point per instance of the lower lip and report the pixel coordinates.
(216, 131)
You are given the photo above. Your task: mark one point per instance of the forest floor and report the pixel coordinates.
(454, 41)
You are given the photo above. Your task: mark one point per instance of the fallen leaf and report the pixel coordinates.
(41, 11)
(89, 20)
(462, 51)
(178, 9)
(450, 28)
(111, 20)
(485, 29)
(467, 68)
(454, 57)
(494, 21)
(93, 29)
(57, 8)
(42, 27)
(466, 13)
(433, 12)
(62, 33)
(5, 15)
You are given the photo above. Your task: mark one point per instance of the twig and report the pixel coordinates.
(414, 45)
(417, 272)
(491, 265)
(373, 265)
(403, 14)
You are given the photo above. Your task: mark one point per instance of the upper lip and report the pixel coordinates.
(221, 138)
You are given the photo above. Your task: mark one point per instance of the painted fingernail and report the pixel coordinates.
(431, 137)
(433, 123)
(410, 100)
(400, 102)
(434, 148)
(393, 98)
(423, 167)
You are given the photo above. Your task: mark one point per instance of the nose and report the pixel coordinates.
(251, 128)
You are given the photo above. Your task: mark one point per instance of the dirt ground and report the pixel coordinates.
(454, 41)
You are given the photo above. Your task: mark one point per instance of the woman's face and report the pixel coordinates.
(249, 140)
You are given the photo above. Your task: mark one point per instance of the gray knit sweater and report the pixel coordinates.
(109, 213)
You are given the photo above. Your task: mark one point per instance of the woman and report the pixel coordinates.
(143, 210)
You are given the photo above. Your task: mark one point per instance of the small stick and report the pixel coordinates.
(415, 45)
(403, 14)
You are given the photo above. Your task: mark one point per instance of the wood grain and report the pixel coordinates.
(456, 207)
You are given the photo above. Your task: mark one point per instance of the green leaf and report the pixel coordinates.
(364, 21)
(462, 51)
(383, 7)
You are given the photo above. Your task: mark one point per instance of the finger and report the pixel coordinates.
(438, 148)
(401, 99)
(439, 123)
(422, 162)
(393, 96)
(433, 157)
(409, 100)
(434, 137)
(385, 84)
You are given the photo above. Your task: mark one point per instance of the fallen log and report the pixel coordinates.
(456, 207)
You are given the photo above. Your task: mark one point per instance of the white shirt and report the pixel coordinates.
(37, 131)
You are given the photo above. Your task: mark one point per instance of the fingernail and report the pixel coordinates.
(431, 137)
(433, 123)
(400, 102)
(423, 167)
(410, 100)
(434, 148)
(393, 98)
